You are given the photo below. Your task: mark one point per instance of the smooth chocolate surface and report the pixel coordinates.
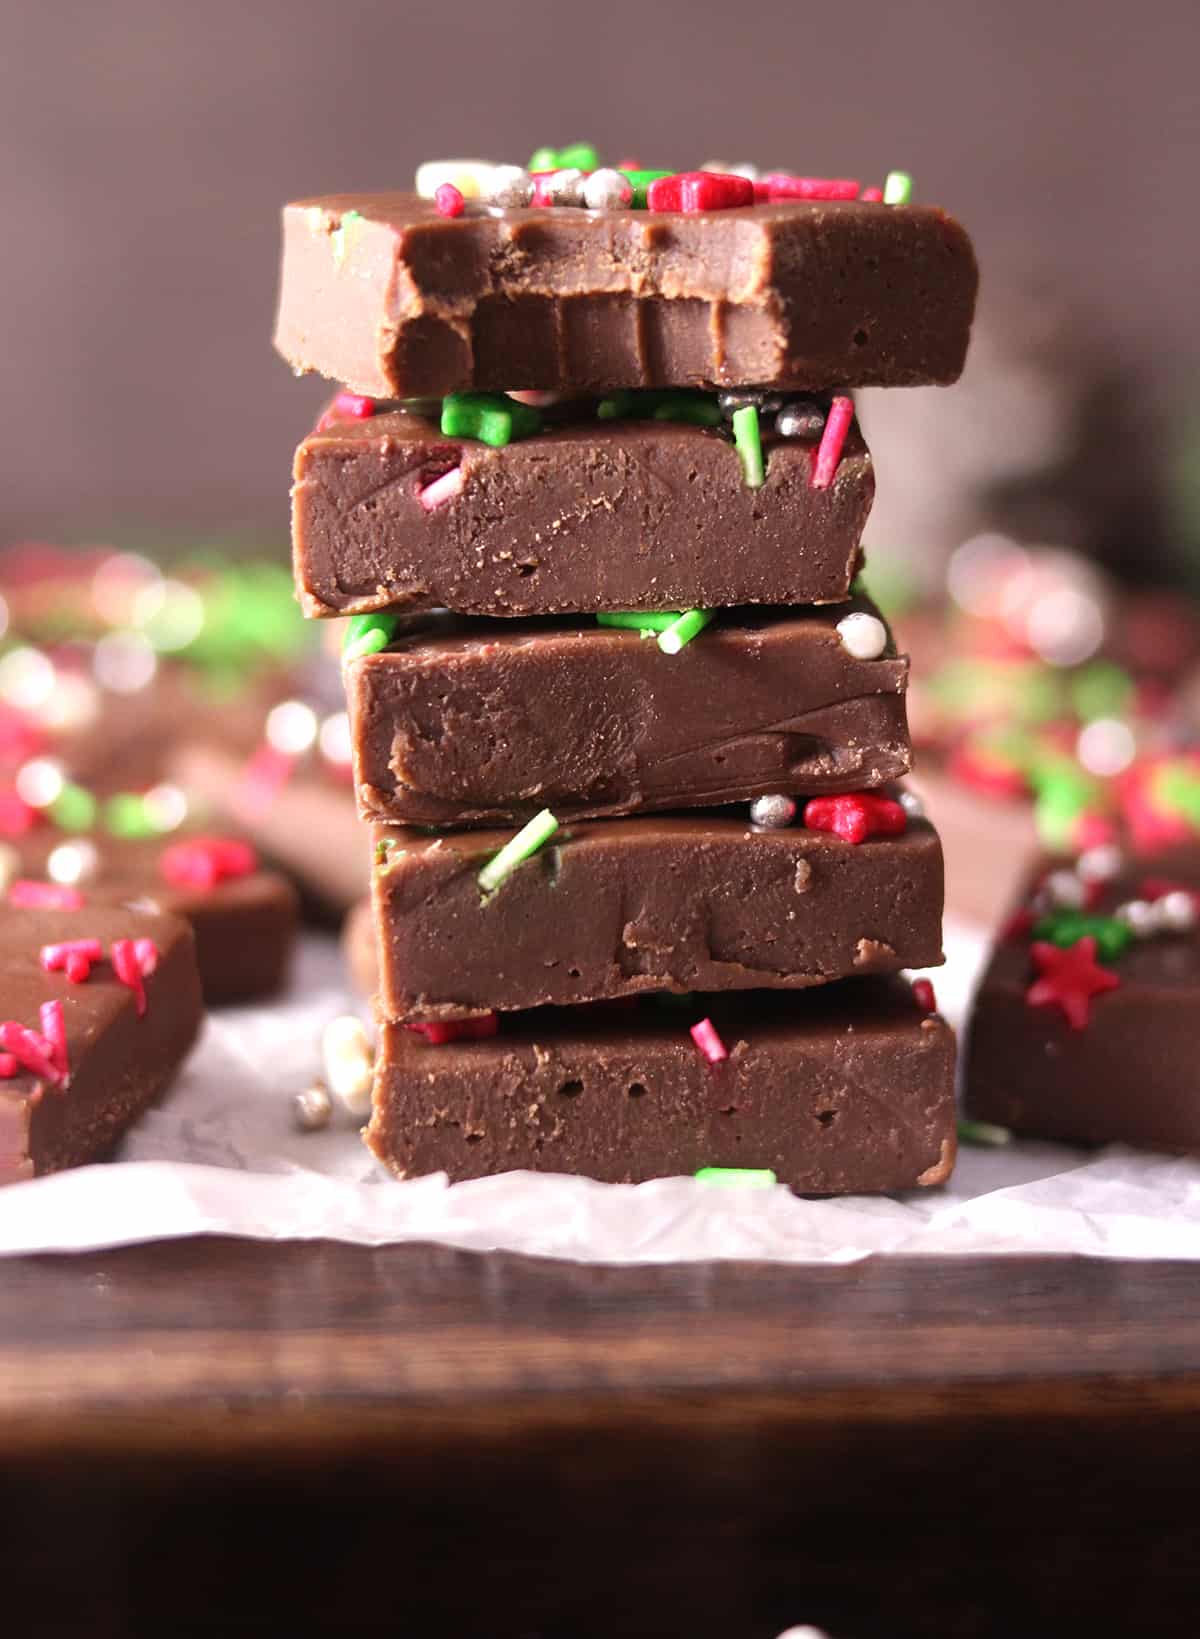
(119, 1061)
(1130, 1075)
(844, 1089)
(590, 515)
(382, 293)
(673, 902)
(245, 927)
(466, 723)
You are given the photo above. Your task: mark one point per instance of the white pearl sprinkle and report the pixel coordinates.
(349, 1062)
(312, 1109)
(606, 190)
(73, 862)
(40, 781)
(863, 635)
(1099, 864)
(469, 176)
(1064, 888)
(509, 187)
(1140, 917)
(291, 727)
(1177, 911)
(911, 804)
(564, 187)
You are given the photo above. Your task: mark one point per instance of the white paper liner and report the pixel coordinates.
(220, 1156)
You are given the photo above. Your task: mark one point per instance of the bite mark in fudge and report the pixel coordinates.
(118, 1055)
(671, 902)
(589, 515)
(474, 722)
(845, 1089)
(383, 293)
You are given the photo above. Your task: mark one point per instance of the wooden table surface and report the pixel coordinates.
(422, 1441)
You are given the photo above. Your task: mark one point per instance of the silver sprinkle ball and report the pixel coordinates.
(800, 421)
(1064, 888)
(509, 186)
(564, 187)
(606, 190)
(1140, 917)
(312, 1109)
(911, 804)
(1177, 911)
(772, 812)
(1099, 864)
(740, 398)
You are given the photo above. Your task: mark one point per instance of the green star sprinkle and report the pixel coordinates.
(748, 441)
(576, 156)
(897, 188)
(492, 418)
(1067, 927)
(527, 841)
(74, 809)
(681, 632)
(367, 634)
(737, 1177)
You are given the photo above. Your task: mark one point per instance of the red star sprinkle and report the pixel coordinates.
(855, 816)
(202, 862)
(1068, 979)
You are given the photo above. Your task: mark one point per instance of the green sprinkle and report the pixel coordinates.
(897, 189)
(367, 634)
(74, 809)
(683, 630)
(748, 442)
(696, 408)
(634, 620)
(576, 156)
(492, 418)
(1177, 787)
(1100, 690)
(640, 182)
(543, 159)
(338, 236)
(738, 1177)
(125, 815)
(527, 841)
(984, 1133)
(616, 407)
(1067, 927)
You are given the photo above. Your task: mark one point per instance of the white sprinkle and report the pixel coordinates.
(773, 811)
(27, 678)
(564, 187)
(349, 1062)
(863, 635)
(1099, 864)
(1064, 888)
(1140, 917)
(124, 662)
(40, 781)
(1177, 911)
(508, 186)
(1106, 746)
(469, 176)
(312, 1109)
(165, 806)
(73, 862)
(292, 728)
(606, 190)
(911, 804)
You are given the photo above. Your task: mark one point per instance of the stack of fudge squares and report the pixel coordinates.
(626, 728)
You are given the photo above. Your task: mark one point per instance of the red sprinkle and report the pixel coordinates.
(203, 862)
(1068, 979)
(17, 818)
(74, 957)
(872, 196)
(438, 1033)
(442, 489)
(43, 896)
(856, 816)
(923, 995)
(347, 406)
(829, 450)
(449, 200)
(128, 970)
(8, 1066)
(54, 1030)
(779, 185)
(147, 953)
(1019, 925)
(31, 1051)
(693, 191)
(710, 1044)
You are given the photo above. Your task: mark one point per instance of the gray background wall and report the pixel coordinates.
(147, 147)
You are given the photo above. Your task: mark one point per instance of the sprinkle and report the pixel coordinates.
(983, 1133)
(897, 188)
(203, 862)
(1099, 864)
(681, 632)
(349, 1062)
(778, 186)
(442, 489)
(637, 620)
(871, 196)
(337, 238)
(74, 957)
(829, 451)
(698, 409)
(527, 841)
(440, 1031)
(1177, 910)
(1111, 934)
(73, 862)
(367, 634)
(31, 1051)
(911, 804)
(576, 156)
(128, 970)
(291, 727)
(607, 190)
(710, 1044)
(1140, 916)
(737, 398)
(54, 1030)
(147, 954)
(922, 990)
(772, 812)
(640, 180)
(748, 442)
(492, 418)
(74, 809)
(17, 818)
(44, 896)
(448, 199)
(856, 816)
(508, 187)
(313, 1108)
(125, 816)
(1064, 888)
(1068, 979)
(8, 1066)
(694, 191)
(469, 176)
(864, 636)
(40, 781)
(800, 420)
(737, 1177)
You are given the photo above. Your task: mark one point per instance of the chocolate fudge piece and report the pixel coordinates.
(667, 902)
(245, 924)
(847, 1088)
(381, 292)
(475, 722)
(1126, 1072)
(118, 1058)
(594, 514)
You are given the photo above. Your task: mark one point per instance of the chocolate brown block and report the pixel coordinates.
(380, 292)
(1129, 1075)
(245, 927)
(591, 515)
(847, 1088)
(119, 1062)
(673, 902)
(485, 722)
